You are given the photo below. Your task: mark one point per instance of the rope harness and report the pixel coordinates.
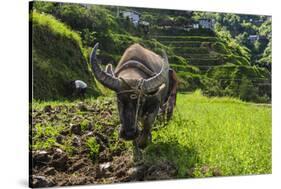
(139, 94)
(138, 91)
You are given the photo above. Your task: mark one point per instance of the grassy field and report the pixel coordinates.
(215, 136)
(207, 137)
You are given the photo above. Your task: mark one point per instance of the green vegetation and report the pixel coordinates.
(231, 80)
(194, 53)
(56, 27)
(45, 137)
(57, 58)
(239, 28)
(207, 136)
(93, 147)
(216, 129)
(214, 136)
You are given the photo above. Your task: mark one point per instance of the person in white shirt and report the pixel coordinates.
(79, 87)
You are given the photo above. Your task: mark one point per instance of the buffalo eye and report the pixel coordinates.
(133, 96)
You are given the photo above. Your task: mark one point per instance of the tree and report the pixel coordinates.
(265, 29)
(242, 38)
(247, 91)
(266, 59)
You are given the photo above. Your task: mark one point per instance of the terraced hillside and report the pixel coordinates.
(209, 61)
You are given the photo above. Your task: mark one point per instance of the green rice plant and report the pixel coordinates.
(45, 137)
(214, 137)
(93, 147)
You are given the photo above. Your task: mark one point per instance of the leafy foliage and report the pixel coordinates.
(194, 53)
(57, 56)
(93, 147)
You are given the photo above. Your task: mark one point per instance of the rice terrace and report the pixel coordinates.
(220, 122)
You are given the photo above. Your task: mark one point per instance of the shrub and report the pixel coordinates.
(184, 68)
(189, 81)
(174, 59)
(247, 91)
(219, 47)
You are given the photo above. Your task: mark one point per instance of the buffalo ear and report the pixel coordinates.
(104, 78)
(109, 70)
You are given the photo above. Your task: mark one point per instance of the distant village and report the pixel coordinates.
(204, 23)
(135, 18)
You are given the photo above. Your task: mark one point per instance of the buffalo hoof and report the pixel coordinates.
(137, 152)
(144, 139)
(128, 134)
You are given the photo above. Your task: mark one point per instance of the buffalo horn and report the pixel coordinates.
(152, 84)
(106, 79)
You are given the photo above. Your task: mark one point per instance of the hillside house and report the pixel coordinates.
(88, 6)
(144, 26)
(256, 21)
(253, 38)
(195, 26)
(206, 23)
(134, 16)
(144, 23)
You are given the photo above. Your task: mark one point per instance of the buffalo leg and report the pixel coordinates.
(171, 105)
(145, 136)
(137, 151)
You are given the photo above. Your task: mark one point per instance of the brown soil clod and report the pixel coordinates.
(161, 171)
(82, 107)
(137, 173)
(65, 132)
(76, 142)
(42, 181)
(77, 166)
(59, 160)
(50, 171)
(40, 158)
(90, 126)
(59, 139)
(47, 108)
(76, 129)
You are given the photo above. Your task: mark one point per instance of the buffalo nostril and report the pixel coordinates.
(130, 134)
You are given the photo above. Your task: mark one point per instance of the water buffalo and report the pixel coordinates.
(141, 81)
